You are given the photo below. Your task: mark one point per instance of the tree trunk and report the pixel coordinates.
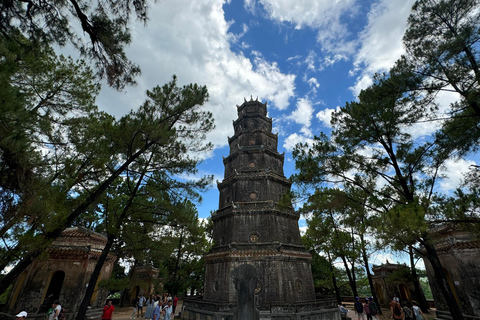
(82, 310)
(369, 275)
(351, 281)
(354, 277)
(110, 239)
(441, 278)
(334, 280)
(174, 292)
(419, 296)
(50, 236)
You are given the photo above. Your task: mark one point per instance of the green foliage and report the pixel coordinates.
(426, 288)
(59, 154)
(56, 23)
(188, 242)
(45, 98)
(442, 41)
(388, 179)
(5, 294)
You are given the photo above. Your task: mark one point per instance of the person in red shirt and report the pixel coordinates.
(108, 311)
(175, 301)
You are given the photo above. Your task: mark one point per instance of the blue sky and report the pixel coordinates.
(304, 57)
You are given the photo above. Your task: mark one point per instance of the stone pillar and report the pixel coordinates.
(245, 279)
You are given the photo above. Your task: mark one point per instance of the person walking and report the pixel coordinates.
(175, 302)
(107, 312)
(358, 306)
(156, 312)
(57, 310)
(396, 309)
(407, 311)
(373, 308)
(168, 311)
(150, 306)
(50, 313)
(141, 302)
(417, 311)
(135, 306)
(366, 308)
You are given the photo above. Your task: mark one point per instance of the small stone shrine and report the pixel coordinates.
(63, 275)
(390, 279)
(144, 280)
(257, 267)
(459, 254)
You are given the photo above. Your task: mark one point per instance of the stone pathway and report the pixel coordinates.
(124, 313)
(385, 313)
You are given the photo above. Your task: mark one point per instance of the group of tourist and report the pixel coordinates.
(157, 307)
(369, 308)
(406, 311)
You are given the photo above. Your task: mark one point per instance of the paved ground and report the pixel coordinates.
(125, 312)
(386, 315)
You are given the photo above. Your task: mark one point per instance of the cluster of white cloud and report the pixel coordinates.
(324, 16)
(375, 50)
(325, 116)
(192, 40)
(381, 40)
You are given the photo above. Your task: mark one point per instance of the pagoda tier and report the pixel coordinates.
(252, 225)
(257, 267)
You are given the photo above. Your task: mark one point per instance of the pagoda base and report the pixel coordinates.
(199, 309)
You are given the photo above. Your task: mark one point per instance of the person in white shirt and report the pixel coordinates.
(57, 310)
(141, 302)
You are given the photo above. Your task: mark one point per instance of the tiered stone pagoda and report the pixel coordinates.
(257, 268)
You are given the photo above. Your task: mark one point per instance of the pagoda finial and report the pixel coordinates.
(256, 99)
(251, 98)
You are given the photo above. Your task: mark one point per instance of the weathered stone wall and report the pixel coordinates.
(252, 187)
(463, 272)
(251, 160)
(199, 309)
(71, 255)
(285, 277)
(268, 226)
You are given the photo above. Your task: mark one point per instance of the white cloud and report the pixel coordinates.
(325, 116)
(454, 171)
(296, 57)
(326, 16)
(292, 140)
(303, 115)
(381, 257)
(191, 40)
(330, 60)
(310, 61)
(249, 5)
(313, 82)
(423, 129)
(362, 82)
(236, 37)
(381, 40)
